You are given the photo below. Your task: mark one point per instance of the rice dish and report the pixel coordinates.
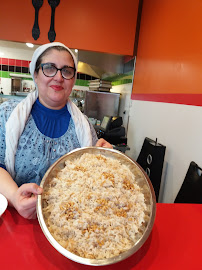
(94, 207)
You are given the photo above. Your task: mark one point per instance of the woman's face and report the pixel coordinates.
(54, 91)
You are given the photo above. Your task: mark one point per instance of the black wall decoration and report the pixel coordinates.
(37, 4)
(51, 33)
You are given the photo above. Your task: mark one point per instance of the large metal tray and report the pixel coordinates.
(142, 180)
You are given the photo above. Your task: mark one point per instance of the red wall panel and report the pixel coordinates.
(106, 26)
(169, 56)
(4, 61)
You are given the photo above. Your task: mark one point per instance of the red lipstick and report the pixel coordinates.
(56, 87)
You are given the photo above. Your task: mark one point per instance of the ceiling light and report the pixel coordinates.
(76, 51)
(30, 45)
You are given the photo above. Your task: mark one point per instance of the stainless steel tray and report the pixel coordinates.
(142, 180)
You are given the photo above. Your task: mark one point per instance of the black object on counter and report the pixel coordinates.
(121, 147)
(51, 33)
(37, 4)
(111, 130)
(151, 159)
(191, 189)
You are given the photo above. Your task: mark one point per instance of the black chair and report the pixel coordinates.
(191, 189)
(151, 159)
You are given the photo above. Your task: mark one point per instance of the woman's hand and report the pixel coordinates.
(25, 199)
(102, 143)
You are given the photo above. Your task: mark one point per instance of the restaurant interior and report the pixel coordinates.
(139, 83)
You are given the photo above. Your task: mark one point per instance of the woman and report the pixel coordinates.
(43, 127)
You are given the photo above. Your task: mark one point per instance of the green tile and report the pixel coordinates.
(119, 82)
(5, 74)
(82, 82)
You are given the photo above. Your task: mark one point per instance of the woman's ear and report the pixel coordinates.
(35, 76)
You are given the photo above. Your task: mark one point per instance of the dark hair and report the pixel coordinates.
(58, 48)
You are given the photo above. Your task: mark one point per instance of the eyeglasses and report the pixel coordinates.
(50, 70)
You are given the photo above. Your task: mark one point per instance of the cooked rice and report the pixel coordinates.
(94, 207)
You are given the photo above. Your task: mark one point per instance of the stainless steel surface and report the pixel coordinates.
(142, 180)
(102, 62)
(98, 104)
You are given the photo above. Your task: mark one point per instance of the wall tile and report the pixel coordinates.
(11, 62)
(18, 63)
(25, 63)
(4, 61)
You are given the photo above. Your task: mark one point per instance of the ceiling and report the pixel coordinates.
(90, 63)
(16, 45)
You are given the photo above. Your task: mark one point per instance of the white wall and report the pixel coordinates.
(179, 128)
(5, 85)
(125, 101)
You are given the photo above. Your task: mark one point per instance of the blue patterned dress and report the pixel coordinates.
(48, 135)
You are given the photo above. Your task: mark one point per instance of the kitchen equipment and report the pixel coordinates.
(51, 33)
(112, 130)
(142, 180)
(98, 104)
(37, 4)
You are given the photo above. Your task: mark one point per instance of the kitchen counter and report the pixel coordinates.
(6, 97)
(175, 243)
(20, 93)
